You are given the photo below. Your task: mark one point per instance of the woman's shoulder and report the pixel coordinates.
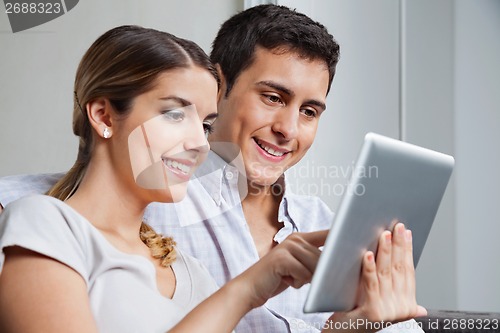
(38, 207)
(47, 226)
(35, 201)
(44, 217)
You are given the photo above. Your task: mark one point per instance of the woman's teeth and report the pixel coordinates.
(179, 166)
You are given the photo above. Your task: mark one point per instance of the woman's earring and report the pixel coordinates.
(106, 133)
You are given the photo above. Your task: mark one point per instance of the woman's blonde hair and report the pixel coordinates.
(120, 65)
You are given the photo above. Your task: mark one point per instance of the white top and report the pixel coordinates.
(122, 288)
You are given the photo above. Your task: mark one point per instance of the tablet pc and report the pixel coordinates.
(392, 180)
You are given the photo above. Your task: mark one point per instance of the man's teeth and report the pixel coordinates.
(174, 164)
(271, 150)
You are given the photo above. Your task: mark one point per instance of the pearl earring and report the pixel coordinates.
(106, 133)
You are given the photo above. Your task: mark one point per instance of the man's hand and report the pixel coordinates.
(291, 263)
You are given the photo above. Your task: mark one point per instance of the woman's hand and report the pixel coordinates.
(387, 287)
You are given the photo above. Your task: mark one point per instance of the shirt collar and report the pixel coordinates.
(215, 169)
(286, 212)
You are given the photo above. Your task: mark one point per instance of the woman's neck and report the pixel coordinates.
(107, 203)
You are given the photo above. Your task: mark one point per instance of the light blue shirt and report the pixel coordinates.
(209, 224)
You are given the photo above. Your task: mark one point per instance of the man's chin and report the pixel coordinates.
(263, 176)
(262, 182)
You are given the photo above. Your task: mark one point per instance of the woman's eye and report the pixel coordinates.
(174, 115)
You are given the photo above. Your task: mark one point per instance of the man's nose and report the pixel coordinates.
(286, 123)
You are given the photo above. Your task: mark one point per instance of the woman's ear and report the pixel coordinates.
(99, 114)
(222, 89)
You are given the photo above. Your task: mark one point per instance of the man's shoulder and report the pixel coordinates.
(18, 186)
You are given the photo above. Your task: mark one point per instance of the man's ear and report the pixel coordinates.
(222, 89)
(99, 114)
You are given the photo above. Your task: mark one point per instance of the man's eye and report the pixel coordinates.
(309, 113)
(273, 98)
(174, 115)
(208, 129)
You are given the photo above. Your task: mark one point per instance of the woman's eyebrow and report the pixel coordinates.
(180, 100)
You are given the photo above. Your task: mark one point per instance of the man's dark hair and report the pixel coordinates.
(271, 27)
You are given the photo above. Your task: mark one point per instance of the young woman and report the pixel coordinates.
(81, 259)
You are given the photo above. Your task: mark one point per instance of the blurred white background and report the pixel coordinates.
(424, 71)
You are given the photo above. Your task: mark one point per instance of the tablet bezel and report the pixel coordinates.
(408, 187)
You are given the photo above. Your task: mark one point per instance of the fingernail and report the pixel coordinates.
(408, 235)
(388, 237)
(370, 257)
(400, 228)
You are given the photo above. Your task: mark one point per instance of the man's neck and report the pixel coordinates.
(261, 207)
(260, 204)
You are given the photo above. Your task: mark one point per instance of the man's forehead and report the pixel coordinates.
(288, 76)
(292, 52)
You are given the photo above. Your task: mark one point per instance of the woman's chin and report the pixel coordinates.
(177, 192)
(154, 178)
(167, 196)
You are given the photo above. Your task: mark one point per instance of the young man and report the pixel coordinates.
(276, 67)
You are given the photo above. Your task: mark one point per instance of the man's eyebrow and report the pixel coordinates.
(319, 104)
(212, 117)
(276, 86)
(289, 92)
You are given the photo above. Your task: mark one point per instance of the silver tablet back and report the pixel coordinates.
(391, 180)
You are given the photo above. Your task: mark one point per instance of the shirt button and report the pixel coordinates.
(229, 175)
